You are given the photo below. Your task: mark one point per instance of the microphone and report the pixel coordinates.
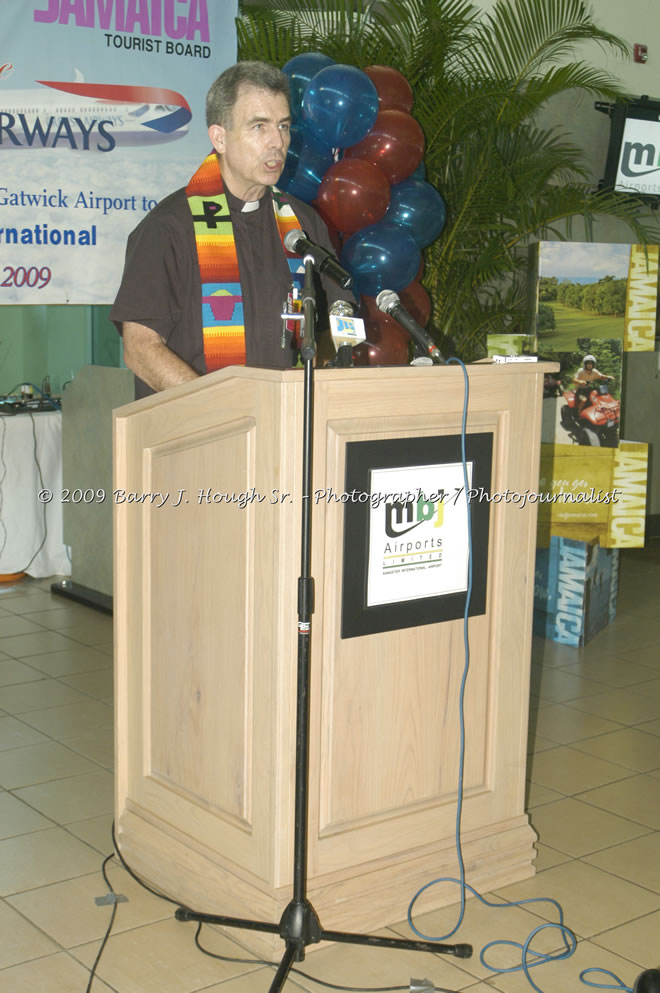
(346, 331)
(297, 243)
(388, 301)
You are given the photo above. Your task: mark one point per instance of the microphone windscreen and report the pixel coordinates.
(291, 239)
(341, 308)
(387, 299)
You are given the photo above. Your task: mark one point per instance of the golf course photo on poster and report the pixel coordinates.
(581, 293)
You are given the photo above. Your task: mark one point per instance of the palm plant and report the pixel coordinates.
(479, 81)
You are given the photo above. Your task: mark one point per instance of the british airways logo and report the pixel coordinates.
(130, 115)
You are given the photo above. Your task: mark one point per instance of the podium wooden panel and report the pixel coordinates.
(205, 634)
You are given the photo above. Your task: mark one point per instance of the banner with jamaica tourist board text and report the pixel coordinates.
(101, 115)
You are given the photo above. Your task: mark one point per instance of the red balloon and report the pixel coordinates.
(417, 302)
(395, 144)
(394, 90)
(386, 344)
(353, 193)
(335, 236)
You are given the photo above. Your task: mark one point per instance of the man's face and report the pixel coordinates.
(253, 149)
(588, 366)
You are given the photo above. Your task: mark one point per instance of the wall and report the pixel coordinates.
(53, 341)
(12, 348)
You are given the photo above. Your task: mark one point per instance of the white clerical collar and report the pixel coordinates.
(249, 206)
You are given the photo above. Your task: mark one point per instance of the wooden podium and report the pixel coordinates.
(206, 627)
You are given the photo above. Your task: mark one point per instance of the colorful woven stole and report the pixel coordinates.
(222, 298)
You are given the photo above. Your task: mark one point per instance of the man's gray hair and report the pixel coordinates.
(224, 91)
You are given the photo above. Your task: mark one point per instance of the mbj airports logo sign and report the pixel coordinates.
(418, 534)
(639, 163)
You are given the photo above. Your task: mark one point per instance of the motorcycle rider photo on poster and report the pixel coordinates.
(582, 405)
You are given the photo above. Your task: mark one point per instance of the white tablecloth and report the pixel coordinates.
(31, 461)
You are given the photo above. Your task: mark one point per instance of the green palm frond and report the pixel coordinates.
(426, 35)
(349, 31)
(261, 39)
(520, 37)
(576, 76)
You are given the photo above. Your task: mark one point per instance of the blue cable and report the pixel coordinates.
(569, 938)
(461, 698)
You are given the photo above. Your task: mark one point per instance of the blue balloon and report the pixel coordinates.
(381, 256)
(340, 105)
(420, 172)
(418, 207)
(306, 164)
(299, 70)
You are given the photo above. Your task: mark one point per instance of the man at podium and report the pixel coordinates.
(206, 273)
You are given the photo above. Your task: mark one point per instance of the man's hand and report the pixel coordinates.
(147, 355)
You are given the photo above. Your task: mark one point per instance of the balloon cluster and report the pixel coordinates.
(356, 153)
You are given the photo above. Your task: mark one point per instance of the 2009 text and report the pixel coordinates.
(19, 276)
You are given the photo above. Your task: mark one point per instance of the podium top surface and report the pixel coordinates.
(478, 370)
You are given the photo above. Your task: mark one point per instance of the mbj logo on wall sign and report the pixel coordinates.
(635, 157)
(640, 157)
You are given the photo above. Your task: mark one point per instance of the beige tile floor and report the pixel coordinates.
(594, 799)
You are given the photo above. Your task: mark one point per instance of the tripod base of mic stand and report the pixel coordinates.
(299, 927)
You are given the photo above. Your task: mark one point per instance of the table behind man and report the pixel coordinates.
(169, 307)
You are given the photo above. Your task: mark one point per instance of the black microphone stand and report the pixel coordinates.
(299, 925)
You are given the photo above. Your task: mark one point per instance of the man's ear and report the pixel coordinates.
(217, 136)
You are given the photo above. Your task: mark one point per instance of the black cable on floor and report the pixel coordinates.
(228, 958)
(92, 973)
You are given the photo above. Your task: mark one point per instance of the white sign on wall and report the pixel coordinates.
(639, 162)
